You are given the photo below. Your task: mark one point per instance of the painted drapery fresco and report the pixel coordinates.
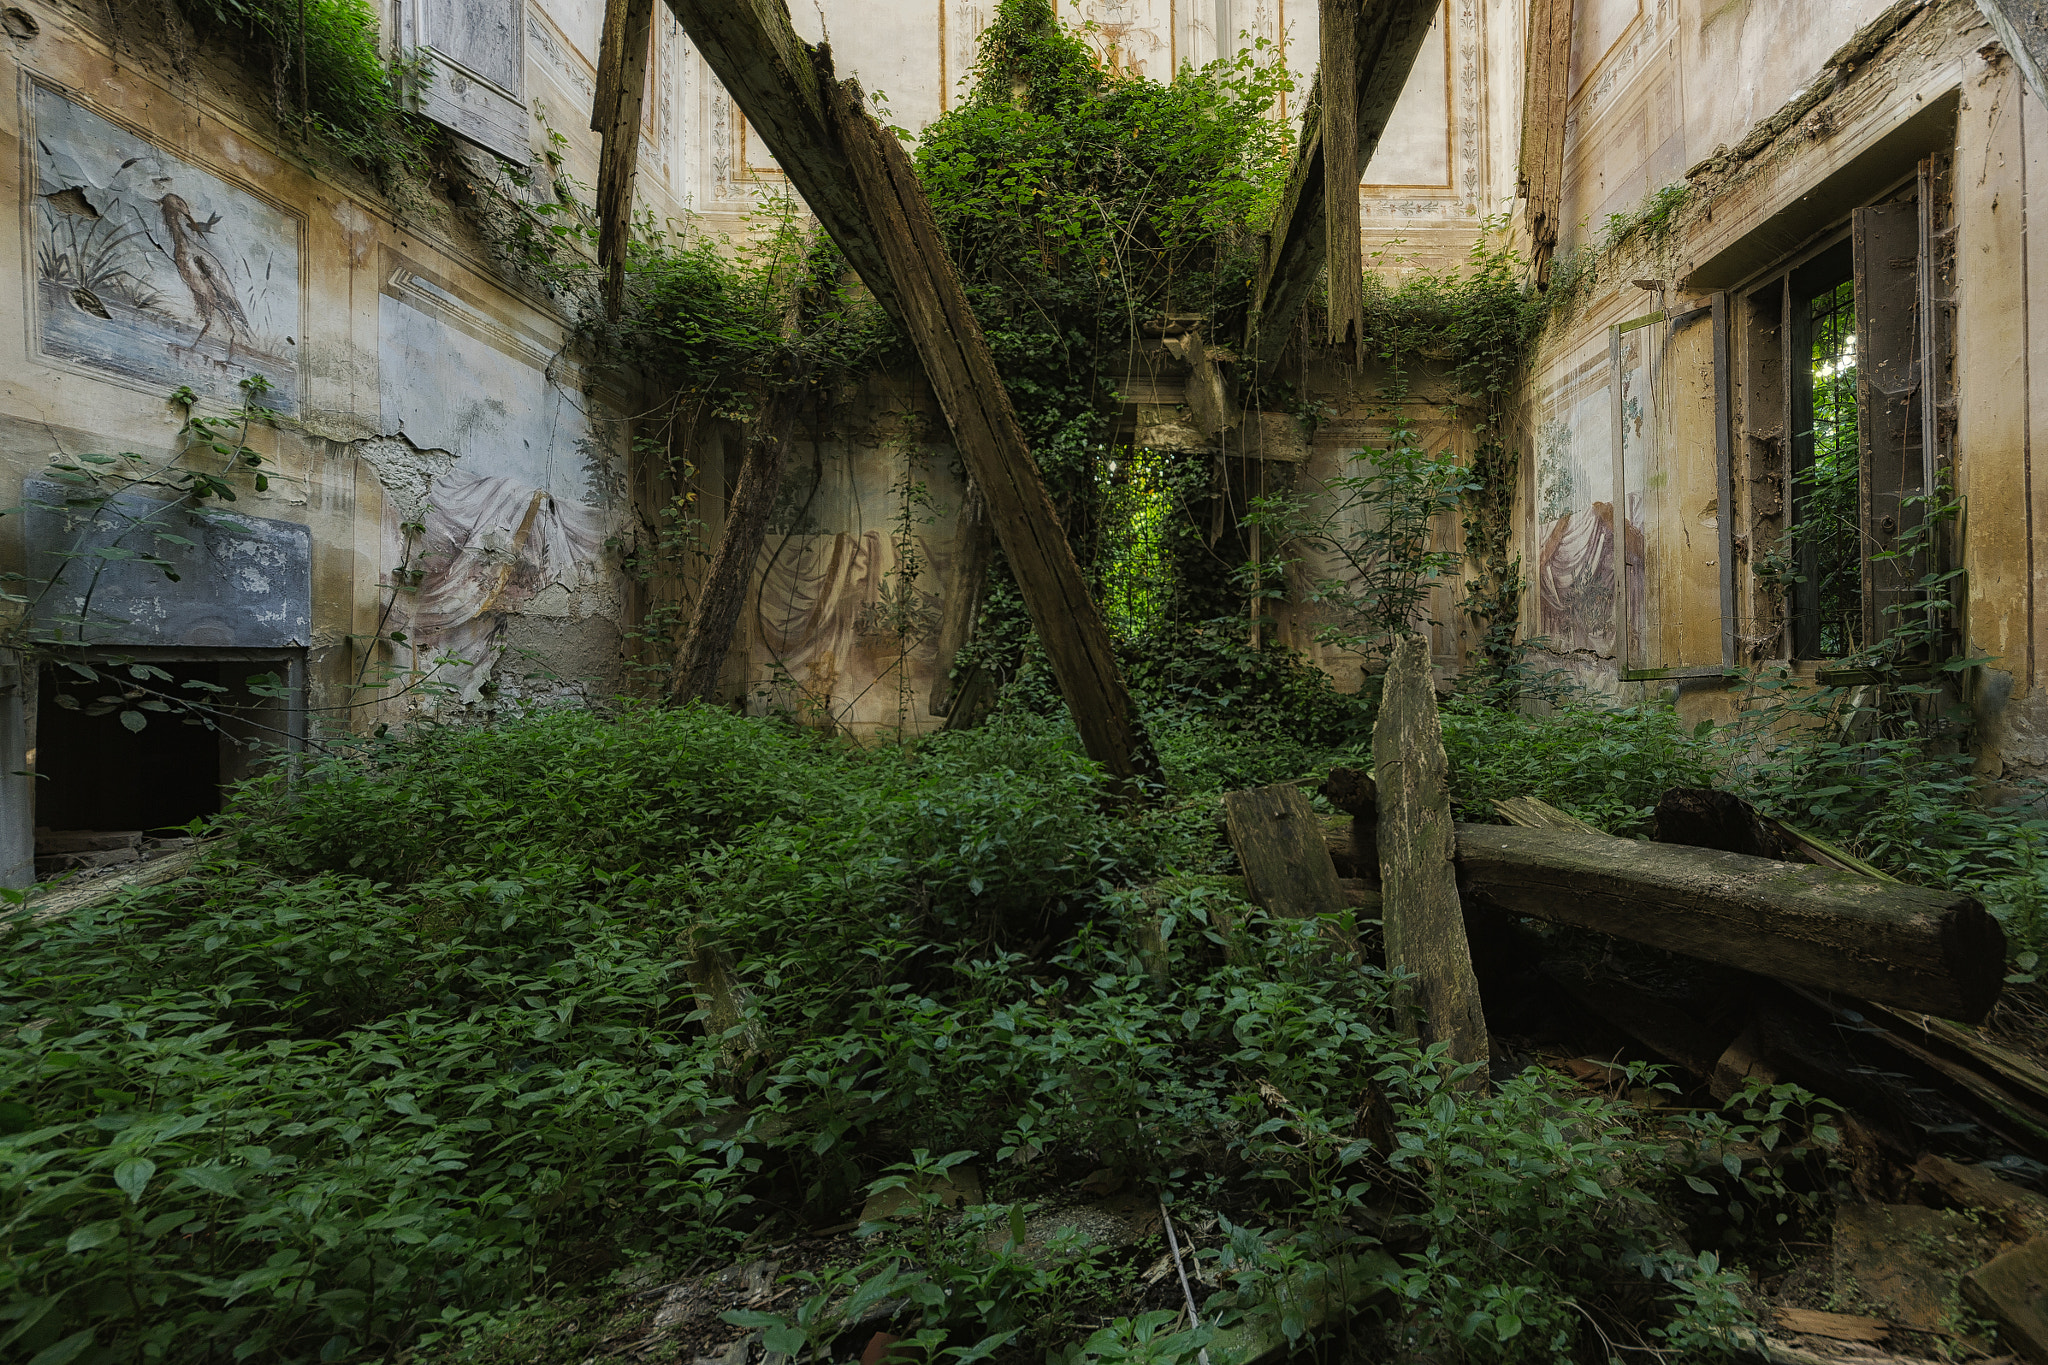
(523, 486)
(491, 546)
(1575, 504)
(845, 609)
(155, 270)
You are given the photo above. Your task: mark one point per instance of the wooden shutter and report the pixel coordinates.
(478, 52)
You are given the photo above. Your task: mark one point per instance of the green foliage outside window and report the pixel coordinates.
(1829, 530)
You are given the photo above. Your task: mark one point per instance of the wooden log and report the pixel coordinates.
(621, 89)
(1700, 817)
(1693, 1038)
(2023, 1213)
(1905, 946)
(1387, 36)
(707, 634)
(2013, 1288)
(963, 603)
(1342, 231)
(769, 72)
(857, 178)
(1354, 837)
(1531, 813)
(1546, 95)
(1279, 842)
(1420, 911)
(66, 898)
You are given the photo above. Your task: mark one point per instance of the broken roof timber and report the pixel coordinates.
(1386, 39)
(856, 177)
(770, 73)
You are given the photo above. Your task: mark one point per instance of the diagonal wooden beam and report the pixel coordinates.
(856, 177)
(621, 91)
(2022, 25)
(1386, 38)
(768, 70)
(1546, 69)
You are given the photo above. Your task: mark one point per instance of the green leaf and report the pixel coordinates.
(93, 1235)
(15, 1117)
(134, 720)
(133, 1176)
(64, 1351)
(213, 1179)
(788, 1340)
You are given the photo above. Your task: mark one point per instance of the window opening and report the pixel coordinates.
(1826, 472)
(129, 788)
(1134, 488)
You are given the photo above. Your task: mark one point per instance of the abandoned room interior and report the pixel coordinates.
(919, 681)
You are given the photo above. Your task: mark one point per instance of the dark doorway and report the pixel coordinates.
(95, 773)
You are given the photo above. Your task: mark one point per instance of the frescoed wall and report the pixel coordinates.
(860, 558)
(151, 269)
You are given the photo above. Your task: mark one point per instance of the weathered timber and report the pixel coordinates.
(970, 390)
(1342, 228)
(1533, 813)
(2007, 1110)
(1387, 35)
(2013, 1288)
(1676, 1029)
(770, 73)
(707, 635)
(1700, 817)
(1420, 911)
(963, 604)
(1279, 842)
(2019, 1075)
(2022, 25)
(1354, 838)
(1905, 946)
(1813, 1322)
(2023, 1213)
(615, 113)
(69, 897)
(1546, 95)
(857, 178)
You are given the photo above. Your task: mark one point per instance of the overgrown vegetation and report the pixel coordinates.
(328, 77)
(476, 1012)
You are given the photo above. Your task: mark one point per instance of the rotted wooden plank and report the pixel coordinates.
(1420, 910)
(621, 93)
(1386, 38)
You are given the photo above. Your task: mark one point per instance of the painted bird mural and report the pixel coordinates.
(213, 293)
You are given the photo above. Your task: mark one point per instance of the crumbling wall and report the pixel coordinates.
(1730, 139)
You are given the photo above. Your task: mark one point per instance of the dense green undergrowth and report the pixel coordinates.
(478, 1012)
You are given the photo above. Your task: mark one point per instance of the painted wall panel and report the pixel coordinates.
(146, 267)
(242, 582)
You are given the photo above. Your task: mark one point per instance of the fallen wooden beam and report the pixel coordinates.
(1387, 36)
(856, 177)
(1546, 96)
(706, 635)
(1532, 813)
(69, 897)
(1420, 912)
(1903, 946)
(1279, 842)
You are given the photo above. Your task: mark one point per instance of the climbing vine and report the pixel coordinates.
(1089, 208)
(330, 80)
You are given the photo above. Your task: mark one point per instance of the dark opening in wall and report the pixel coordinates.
(106, 792)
